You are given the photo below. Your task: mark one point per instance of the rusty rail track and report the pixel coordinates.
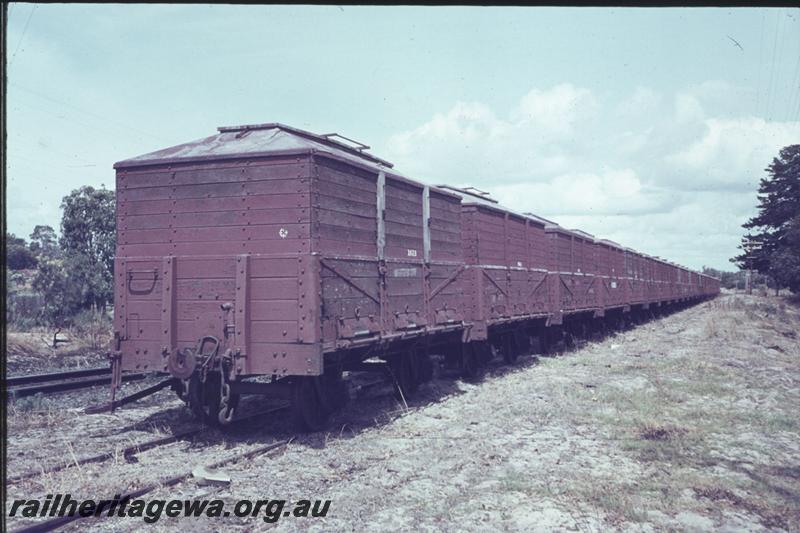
(22, 386)
(61, 521)
(69, 374)
(131, 451)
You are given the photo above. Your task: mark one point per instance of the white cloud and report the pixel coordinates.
(555, 112)
(659, 172)
(612, 192)
(734, 152)
(640, 107)
(688, 109)
(472, 141)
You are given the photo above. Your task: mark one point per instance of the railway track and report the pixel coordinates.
(132, 450)
(135, 449)
(22, 386)
(59, 522)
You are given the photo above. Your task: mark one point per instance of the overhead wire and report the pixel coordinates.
(85, 112)
(760, 55)
(770, 87)
(70, 120)
(794, 88)
(787, 79)
(24, 31)
(40, 149)
(784, 101)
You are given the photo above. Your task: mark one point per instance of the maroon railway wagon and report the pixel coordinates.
(269, 260)
(268, 250)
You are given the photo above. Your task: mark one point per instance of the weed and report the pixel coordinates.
(658, 432)
(769, 517)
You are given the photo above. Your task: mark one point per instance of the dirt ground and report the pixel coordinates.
(689, 422)
(31, 352)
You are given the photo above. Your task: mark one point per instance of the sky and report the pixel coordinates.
(651, 127)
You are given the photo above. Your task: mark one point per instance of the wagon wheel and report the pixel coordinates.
(471, 367)
(196, 397)
(534, 346)
(546, 344)
(204, 398)
(496, 350)
(522, 342)
(309, 411)
(404, 373)
(484, 352)
(423, 365)
(335, 392)
(181, 389)
(600, 330)
(569, 338)
(510, 349)
(412, 361)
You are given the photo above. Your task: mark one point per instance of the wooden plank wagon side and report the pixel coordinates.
(266, 250)
(269, 260)
(506, 260)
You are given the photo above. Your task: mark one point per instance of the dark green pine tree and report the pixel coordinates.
(775, 228)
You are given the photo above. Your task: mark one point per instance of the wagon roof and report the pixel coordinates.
(555, 228)
(611, 243)
(473, 196)
(583, 234)
(259, 140)
(541, 220)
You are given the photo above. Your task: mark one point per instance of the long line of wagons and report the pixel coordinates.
(269, 260)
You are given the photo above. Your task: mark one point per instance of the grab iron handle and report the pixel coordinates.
(153, 272)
